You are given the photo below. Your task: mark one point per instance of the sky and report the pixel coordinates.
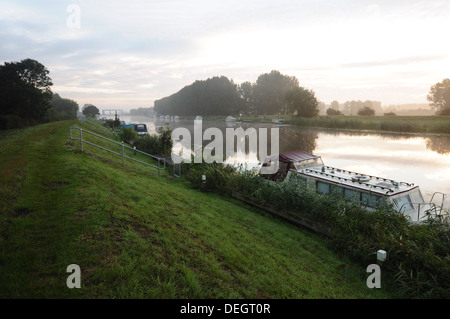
(127, 54)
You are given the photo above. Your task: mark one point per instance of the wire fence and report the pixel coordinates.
(161, 162)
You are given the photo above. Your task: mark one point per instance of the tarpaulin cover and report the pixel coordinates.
(295, 156)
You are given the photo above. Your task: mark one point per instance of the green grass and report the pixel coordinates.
(137, 235)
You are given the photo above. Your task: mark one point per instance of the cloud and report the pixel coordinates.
(341, 49)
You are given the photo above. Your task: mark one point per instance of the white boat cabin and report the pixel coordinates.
(368, 190)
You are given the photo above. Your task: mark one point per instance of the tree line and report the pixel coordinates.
(26, 97)
(354, 107)
(272, 93)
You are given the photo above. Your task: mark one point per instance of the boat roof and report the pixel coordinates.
(363, 182)
(291, 157)
(341, 177)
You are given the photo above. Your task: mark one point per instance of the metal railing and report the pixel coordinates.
(444, 196)
(176, 166)
(123, 146)
(433, 209)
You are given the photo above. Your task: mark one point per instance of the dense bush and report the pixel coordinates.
(127, 134)
(418, 260)
(8, 122)
(331, 111)
(219, 176)
(366, 111)
(150, 144)
(157, 144)
(113, 124)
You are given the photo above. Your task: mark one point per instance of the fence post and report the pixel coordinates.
(159, 167)
(123, 158)
(81, 139)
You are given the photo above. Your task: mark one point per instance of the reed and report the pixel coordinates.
(403, 124)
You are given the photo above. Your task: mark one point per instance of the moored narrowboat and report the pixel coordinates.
(365, 189)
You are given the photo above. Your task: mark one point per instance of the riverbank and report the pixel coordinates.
(397, 124)
(429, 125)
(137, 235)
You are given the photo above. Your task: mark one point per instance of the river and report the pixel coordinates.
(420, 159)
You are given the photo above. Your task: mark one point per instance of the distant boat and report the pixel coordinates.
(123, 124)
(277, 121)
(230, 119)
(141, 129)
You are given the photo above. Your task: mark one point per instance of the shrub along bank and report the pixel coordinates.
(418, 261)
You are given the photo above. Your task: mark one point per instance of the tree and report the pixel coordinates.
(270, 92)
(90, 110)
(334, 105)
(332, 111)
(439, 96)
(248, 98)
(302, 102)
(366, 111)
(214, 96)
(25, 89)
(62, 109)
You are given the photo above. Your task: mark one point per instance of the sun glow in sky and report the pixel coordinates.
(129, 53)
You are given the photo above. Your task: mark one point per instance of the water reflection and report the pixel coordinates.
(292, 139)
(423, 160)
(439, 144)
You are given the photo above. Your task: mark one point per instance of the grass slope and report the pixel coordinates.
(137, 235)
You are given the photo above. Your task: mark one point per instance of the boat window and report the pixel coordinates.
(337, 189)
(323, 188)
(308, 163)
(404, 201)
(370, 200)
(140, 127)
(351, 194)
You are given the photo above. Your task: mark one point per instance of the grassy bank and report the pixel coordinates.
(403, 124)
(137, 235)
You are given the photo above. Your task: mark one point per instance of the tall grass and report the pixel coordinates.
(405, 124)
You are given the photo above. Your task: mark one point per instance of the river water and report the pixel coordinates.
(420, 159)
